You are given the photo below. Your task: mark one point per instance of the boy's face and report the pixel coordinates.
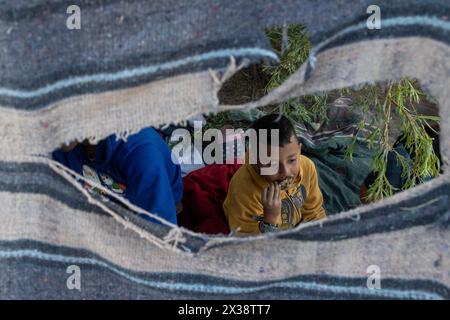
(287, 160)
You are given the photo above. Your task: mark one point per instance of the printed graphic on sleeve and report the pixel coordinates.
(102, 179)
(290, 207)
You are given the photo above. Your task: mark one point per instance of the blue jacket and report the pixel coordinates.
(140, 169)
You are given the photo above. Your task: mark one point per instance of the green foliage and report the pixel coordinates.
(400, 99)
(217, 121)
(296, 52)
(383, 102)
(308, 109)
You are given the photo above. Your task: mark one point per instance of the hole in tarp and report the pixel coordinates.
(364, 144)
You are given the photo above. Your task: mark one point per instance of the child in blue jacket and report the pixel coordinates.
(140, 169)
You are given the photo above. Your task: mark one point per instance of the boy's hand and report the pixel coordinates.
(271, 201)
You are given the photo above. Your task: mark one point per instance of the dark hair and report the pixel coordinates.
(275, 121)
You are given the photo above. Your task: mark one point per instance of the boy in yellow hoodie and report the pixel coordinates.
(259, 203)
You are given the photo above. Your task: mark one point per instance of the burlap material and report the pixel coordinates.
(107, 80)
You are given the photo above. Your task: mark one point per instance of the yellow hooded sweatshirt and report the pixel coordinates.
(302, 202)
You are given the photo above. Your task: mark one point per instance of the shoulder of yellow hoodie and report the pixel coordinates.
(308, 169)
(306, 162)
(243, 197)
(240, 179)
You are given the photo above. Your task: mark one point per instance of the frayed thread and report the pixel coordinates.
(285, 38)
(120, 135)
(311, 66)
(174, 237)
(124, 135)
(171, 240)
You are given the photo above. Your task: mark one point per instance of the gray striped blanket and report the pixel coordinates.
(133, 64)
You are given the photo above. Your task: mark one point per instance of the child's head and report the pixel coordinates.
(288, 148)
(69, 147)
